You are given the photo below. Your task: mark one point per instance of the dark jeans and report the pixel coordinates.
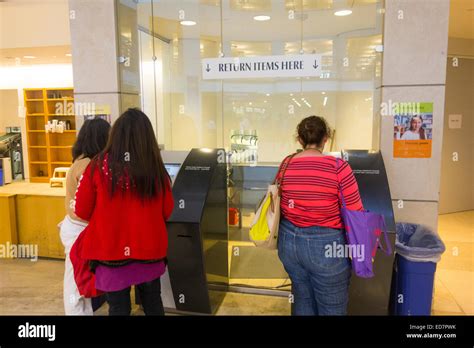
(320, 284)
(150, 295)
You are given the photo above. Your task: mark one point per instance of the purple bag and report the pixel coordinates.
(363, 230)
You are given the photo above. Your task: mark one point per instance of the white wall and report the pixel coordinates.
(457, 184)
(34, 23)
(414, 70)
(34, 76)
(9, 109)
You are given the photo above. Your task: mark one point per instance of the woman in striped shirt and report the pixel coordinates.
(311, 227)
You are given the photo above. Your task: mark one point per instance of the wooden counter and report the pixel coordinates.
(8, 228)
(31, 213)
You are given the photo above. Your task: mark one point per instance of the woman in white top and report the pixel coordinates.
(91, 140)
(416, 132)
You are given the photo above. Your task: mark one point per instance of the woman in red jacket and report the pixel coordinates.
(125, 194)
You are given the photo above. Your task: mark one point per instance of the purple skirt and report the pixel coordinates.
(109, 279)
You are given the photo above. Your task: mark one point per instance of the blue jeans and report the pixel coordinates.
(320, 284)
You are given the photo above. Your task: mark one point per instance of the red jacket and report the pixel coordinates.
(124, 226)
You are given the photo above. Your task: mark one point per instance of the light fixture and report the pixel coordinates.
(342, 13)
(29, 57)
(296, 102)
(325, 101)
(68, 55)
(323, 93)
(187, 23)
(268, 94)
(262, 18)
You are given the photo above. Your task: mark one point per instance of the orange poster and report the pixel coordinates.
(413, 131)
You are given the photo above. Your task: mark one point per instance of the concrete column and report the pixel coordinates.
(414, 70)
(101, 31)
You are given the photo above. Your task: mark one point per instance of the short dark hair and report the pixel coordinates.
(312, 130)
(91, 139)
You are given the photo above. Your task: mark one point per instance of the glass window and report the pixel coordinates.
(255, 118)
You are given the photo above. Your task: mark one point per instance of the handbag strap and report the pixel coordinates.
(339, 183)
(388, 246)
(284, 166)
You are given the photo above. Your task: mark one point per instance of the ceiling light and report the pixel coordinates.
(68, 54)
(262, 18)
(325, 101)
(342, 13)
(29, 57)
(268, 94)
(188, 23)
(323, 93)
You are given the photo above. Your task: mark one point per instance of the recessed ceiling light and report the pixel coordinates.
(323, 92)
(342, 13)
(268, 94)
(68, 55)
(29, 57)
(188, 23)
(262, 18)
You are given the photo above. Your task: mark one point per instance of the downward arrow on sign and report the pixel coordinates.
(208, 68)
(315, 64)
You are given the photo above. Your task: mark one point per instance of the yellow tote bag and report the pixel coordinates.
(264, 227)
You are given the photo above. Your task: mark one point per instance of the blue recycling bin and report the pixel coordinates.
(418, 249)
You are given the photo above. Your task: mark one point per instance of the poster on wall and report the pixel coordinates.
(413, 130)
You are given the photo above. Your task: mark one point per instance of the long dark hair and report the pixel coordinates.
(91, 139)
(133, 156)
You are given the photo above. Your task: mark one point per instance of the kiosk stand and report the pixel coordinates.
(371, 296)
(197, 230)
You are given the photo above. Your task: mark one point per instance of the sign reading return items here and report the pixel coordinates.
(303, 65)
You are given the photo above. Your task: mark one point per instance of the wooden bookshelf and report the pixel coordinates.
(47, 150)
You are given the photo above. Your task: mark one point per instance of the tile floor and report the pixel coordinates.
(454, 282)
(35, 288)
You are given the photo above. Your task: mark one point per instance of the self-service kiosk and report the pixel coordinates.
(371, 296)
(198, 229)
(197, 232)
